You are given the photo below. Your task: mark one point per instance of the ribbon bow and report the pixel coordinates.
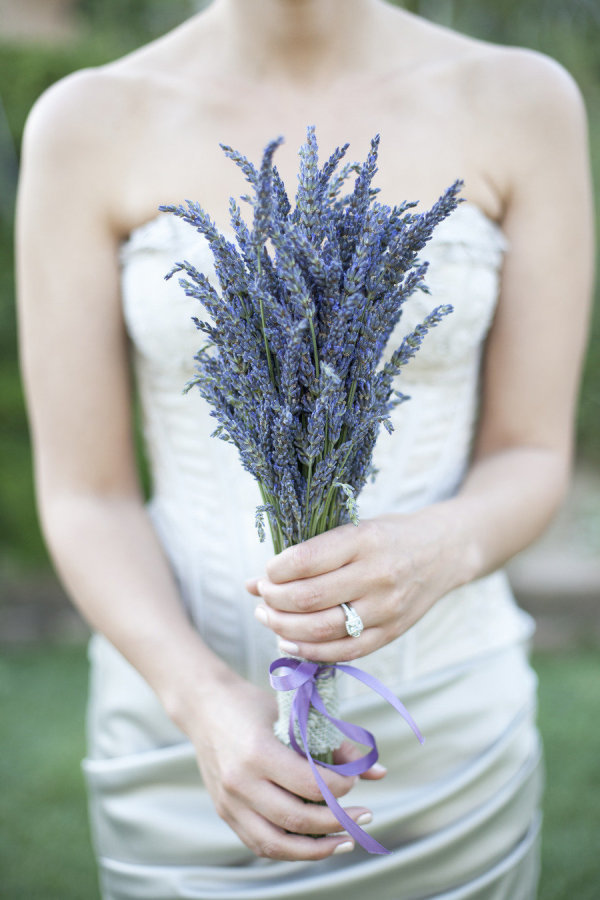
(302, 677)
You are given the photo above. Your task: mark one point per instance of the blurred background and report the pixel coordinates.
(44, 843)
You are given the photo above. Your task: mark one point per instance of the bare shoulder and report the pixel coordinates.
(523, 82)
(105, 110)
(84, 131)
(508, 79)
(77, 125)
(528, 112)
(98, 132)
(513, 86)
(92, 110)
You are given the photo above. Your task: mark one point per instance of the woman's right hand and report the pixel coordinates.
(259, 786)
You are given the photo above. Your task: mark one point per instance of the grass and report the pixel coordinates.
(44, 845)
(571, 733)
(45, 850)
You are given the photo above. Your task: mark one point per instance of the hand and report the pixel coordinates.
(257, 783)
(392, 569)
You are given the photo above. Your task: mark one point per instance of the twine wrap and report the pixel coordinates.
(323, 736)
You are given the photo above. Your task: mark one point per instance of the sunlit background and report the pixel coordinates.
(44, 844)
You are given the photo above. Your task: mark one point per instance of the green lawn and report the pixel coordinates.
(44, 839)
(570, 724)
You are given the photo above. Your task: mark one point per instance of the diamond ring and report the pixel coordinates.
(354, 623)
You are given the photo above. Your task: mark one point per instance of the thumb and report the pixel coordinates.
(348, 752)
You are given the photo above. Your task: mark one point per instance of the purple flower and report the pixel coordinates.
(309, 297)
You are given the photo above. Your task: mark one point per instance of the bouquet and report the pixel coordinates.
(292, 369)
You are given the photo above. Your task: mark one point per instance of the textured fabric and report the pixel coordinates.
(460, 813)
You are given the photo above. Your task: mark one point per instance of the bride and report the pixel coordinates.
(191, 794)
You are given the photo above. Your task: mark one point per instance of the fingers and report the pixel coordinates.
(307, 614)
(375, 773)
(259, 785)
(309, 595)
(319, 627)
(268, 841)
(291, 771)
(349, 752)
(318, 555)
(345, 650)
(266, 809)
(322, 636)
(292, 814)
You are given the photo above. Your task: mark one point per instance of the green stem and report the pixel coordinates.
(314, 343)
(352, 390)
(262, 322)
(276, 535)
(321, 524)
(308, 486)
(323, 757)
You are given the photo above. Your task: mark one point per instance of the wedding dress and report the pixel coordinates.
(461, 813)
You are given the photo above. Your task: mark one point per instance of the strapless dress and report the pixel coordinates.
(461, 814)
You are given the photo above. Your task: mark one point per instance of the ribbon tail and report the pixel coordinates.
(355, 733)
(384, 692)
(366, 841)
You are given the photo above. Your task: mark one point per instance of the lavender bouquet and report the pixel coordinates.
(292, 364)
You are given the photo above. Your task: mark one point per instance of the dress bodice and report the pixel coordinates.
(203, 500)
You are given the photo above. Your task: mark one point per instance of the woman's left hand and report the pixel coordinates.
(392, 569)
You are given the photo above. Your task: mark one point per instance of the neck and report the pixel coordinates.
(298, 41)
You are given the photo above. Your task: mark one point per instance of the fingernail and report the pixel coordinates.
(378, 769)
(288, 647)
(260, 613)
(346, 847)
(364, 818)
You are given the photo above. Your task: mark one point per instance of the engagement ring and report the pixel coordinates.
(354, 623)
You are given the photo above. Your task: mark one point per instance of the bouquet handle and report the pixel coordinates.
(304, 681)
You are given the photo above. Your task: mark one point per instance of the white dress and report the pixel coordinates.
(461, 813)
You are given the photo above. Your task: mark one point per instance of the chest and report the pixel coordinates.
(423, 146)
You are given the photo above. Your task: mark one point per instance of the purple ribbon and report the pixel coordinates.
(302, 677)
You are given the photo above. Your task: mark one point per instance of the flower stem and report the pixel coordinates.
(308, 486)
(314, 343)
(262, 322)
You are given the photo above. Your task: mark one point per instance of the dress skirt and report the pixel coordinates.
(460, 814)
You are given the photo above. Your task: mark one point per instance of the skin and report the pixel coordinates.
(104, 148)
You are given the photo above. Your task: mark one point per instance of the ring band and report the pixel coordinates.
(354, 623)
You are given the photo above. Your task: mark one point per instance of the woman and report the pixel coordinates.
(191, 795)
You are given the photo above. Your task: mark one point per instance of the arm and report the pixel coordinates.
(395, 568)
(76, 372)
(534, 355)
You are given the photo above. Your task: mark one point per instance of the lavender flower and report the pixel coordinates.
(309, 297)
